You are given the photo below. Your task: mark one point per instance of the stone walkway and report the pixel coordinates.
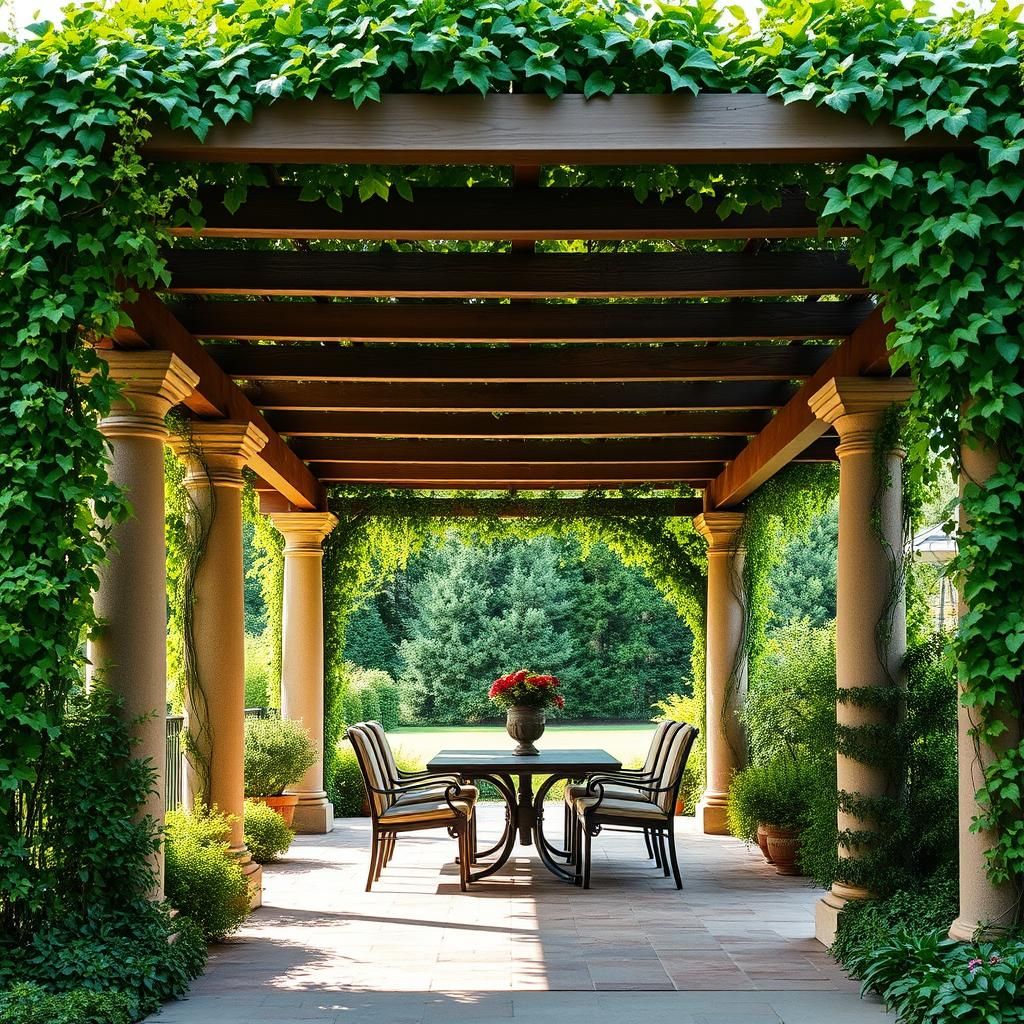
(736, 945)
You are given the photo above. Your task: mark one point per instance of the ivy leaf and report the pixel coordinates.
(679, 81)
(598, 82)
(272, 86)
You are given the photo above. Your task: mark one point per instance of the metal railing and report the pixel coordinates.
(173, 764)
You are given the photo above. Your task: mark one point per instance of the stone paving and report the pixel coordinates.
(735, 945)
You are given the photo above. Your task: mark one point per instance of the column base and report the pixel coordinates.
(712, 814)
(254, 875)
(828, 908)
(314, 815)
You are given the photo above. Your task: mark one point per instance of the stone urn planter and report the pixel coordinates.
(525, 725)
(283, 803)
(783, 848)
(762, 842)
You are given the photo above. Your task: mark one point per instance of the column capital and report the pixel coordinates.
(227, 447)
(304, 532)
(152, 383)
(856, 407)
(720, 530)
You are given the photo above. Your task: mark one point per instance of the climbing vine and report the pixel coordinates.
(939, 238)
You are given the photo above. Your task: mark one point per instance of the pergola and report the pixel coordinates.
(729, 367)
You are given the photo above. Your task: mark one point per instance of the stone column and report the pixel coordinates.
(868, 570)
(128, 653)
(215, 456)
(984, 907)
(726, 665)
(302, 653)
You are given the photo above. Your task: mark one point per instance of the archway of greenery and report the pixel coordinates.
(940, 239)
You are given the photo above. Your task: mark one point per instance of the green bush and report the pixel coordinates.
(932, 979)
(258, 666)
(28, 1003)
(379, 694)
(266, 833)
(352, 705)
(203, 878)
(130, 954)
(278, 752)
(370, 702)
(770, 794)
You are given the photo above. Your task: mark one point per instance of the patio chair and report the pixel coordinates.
(596, 810)
(412, 807)
(403, 780)
(624, 787)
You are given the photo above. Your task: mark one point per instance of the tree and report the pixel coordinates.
(804, 581)
(368, 642)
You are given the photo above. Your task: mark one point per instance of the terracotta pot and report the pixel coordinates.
(525, 724)
(762, 841)
(783, 848)
(283, 803)
(680, 806)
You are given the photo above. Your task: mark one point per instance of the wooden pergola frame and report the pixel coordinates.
(721, 409)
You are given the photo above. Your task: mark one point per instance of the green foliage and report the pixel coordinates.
(258, 661)
(266, 834)
(803, 581)
(202, 877)
(368, 642)
(379, 694)
(141, 954)
(266, 572)
(369, 702)
(679, 708)
(345, 784)
(278, 752)
(772, 793)
(29, 1003)
(929, 978)
(866, 925)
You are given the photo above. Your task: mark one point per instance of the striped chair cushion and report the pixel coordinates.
(411, 812)
(611, 808)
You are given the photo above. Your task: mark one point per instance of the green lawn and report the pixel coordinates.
(626, 742)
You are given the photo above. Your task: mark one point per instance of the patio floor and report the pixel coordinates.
(735, 945)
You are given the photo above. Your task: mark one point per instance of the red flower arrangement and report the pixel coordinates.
(522, 687)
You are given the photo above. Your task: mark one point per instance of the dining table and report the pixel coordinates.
(513, 777)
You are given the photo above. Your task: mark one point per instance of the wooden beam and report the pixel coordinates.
(517, 425)
(415, 364)
(511, 275)
(218, 396)
(523, 323)
(795, 426)
(493, 453)
(528, 508)
(531, 476)
(481, 213)
(501, 398)
(712, 128)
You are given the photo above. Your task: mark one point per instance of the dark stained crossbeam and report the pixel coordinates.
(518, 425)
(532, 129)
(532, 322)
(511, 275)
(497, 398)
(497, 214)
(416, 364)
(434, 452)
(526, 508)
(532, 476)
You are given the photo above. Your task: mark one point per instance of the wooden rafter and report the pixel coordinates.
(534, 322)
(532, 476)
(494, 453)
(501, 398)
(528, 508)
(521, 365)
(795, 427)
(532, 129)
(498, 214)
(518, 425)
(511, 275)
(218, 396)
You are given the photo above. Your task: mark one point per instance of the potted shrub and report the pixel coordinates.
(768, 804)
(278, 752)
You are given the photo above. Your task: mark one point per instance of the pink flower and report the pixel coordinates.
(974, 964)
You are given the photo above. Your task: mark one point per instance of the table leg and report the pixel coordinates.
(505, 786)
(545, 850)
(525, 810)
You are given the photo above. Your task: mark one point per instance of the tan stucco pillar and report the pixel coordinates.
(128, 653)
(984, 907)
(869, 568)
(302, 653)
(726, 665)
(216, 716)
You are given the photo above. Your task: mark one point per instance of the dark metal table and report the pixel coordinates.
(524, 810)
